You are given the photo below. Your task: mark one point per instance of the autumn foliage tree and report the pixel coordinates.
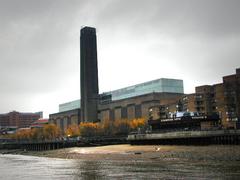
(23, 134)
(37, 134)
(121, 127)
(88, 129)
(85, 129)
(48, 132)
(109, 128)
(137, 123)
(73, 130)
(124, 126)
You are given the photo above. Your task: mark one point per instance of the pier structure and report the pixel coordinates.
(44, 146)
(187, 137)
(58, 144)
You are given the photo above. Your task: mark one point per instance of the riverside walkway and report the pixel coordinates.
(187, 137)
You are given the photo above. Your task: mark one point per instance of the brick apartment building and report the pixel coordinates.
(222, 99)
(18, 119)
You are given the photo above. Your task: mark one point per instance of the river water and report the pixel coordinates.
(23, 167)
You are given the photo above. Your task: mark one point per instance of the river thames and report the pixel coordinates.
(125, 162)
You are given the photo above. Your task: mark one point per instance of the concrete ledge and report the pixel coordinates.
(183, 135)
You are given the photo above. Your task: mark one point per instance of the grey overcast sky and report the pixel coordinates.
(138, 40)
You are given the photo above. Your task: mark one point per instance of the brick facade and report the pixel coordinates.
(18, 119)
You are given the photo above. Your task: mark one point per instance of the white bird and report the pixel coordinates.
(157, 148)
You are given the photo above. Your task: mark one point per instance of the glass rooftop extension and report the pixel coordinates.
(158, 85)
(69, 106)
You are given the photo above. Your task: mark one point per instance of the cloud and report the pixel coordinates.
(194, 40)
(216, 17)
(138, 40)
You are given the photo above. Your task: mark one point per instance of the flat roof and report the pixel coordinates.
(162, 85)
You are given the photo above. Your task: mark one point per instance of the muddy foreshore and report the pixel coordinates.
(145, 153)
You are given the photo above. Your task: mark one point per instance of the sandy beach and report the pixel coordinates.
(148, 152)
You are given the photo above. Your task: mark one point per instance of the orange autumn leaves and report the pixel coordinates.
(72, 131)
(48, 132)
(110, 128)
(84, 129)
(135, 123)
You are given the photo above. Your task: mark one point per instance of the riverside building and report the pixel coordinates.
(126, 103)
(222, 99)
(136, 101)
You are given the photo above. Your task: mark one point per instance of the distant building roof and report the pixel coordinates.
(39, 123)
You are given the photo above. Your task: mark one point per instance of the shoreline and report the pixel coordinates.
(139, 153)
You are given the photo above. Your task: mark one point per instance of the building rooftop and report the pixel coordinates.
(162, 85)
(158, 85)
(88, 30)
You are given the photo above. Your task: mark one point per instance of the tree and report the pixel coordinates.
(107, 127)
(137, 123)
(88, 129)
(50, 131)
(121, 127)
(73, 130)
(23, 134)
(37, 133)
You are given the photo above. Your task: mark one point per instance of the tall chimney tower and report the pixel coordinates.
(89, 74)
